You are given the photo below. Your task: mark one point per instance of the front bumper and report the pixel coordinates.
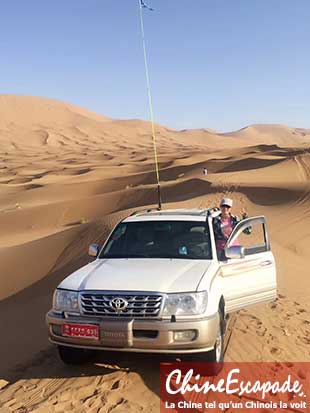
(143, 336)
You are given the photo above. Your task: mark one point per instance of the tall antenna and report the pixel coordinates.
(148, 85)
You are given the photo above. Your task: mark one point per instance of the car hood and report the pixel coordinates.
(160, 275)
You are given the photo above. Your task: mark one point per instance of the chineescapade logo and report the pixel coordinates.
(234, 387)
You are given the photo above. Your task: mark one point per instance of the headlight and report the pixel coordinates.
(64, 300)
(185, 304)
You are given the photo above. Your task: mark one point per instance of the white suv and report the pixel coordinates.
(158, 286)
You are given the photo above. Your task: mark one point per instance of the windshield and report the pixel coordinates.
(159, 239)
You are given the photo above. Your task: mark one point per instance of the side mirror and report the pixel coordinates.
(93, 250)
(235, 251)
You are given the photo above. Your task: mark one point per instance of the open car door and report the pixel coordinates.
(249, 272)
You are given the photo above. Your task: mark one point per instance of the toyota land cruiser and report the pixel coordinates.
(158, 286)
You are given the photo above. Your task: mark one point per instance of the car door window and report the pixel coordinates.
(250, 234)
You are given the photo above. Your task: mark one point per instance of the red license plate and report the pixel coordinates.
(80, 330)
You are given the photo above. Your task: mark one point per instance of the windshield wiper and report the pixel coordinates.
(124, 256)
(127, 256)
(181, 257)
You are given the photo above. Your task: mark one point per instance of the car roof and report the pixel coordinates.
(194, 214)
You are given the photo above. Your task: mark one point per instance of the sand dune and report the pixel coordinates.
(265, 133)
(68, 175)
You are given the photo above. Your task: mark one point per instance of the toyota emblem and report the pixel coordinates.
(118, 304)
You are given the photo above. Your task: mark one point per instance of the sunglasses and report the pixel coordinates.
(225, 206)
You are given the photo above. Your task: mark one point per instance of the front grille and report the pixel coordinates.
(139, 305)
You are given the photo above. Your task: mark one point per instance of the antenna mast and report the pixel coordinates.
(148, 85)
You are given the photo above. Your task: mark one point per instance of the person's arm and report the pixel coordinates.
(244, 215)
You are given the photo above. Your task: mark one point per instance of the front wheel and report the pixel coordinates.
(71, 355)
(216, 355)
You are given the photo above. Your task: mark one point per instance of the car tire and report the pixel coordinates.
(73, 356)
(216, 355)
(212, 361)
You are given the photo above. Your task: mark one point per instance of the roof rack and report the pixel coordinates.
(139, 211)
(204, 211)
(208, 212)
(212, 210)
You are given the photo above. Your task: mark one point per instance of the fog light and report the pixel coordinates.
(185, 335)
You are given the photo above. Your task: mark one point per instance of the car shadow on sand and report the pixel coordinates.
(47, 365)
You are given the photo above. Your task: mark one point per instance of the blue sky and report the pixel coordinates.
(220, 64)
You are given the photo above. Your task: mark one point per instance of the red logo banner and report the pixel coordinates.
(235, 387)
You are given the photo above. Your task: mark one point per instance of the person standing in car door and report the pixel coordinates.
(224, 224)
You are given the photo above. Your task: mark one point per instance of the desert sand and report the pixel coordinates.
(68, 175)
